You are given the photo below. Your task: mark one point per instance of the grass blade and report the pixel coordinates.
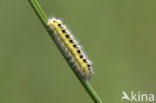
(41, 15)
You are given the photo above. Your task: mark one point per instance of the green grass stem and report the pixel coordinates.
(41, 15)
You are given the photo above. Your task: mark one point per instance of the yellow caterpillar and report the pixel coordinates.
(71, 48)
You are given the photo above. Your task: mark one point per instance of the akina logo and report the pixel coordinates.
(137, 96)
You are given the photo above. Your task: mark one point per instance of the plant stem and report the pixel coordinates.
(39, 12)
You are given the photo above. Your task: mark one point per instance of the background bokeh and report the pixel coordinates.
(119, 36)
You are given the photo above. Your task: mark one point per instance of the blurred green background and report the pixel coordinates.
(119, 36)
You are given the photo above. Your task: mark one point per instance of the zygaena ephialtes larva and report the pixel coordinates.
(71, 48)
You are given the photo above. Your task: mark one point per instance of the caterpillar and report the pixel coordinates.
(71, 49)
